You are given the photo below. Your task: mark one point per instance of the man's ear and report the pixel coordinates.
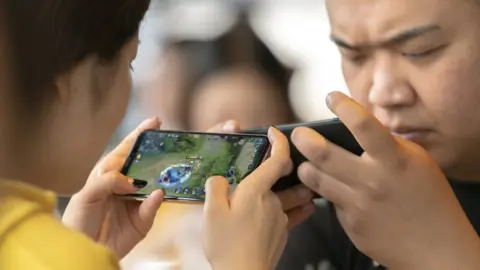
(79, 78)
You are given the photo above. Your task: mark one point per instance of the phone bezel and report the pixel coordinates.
(133, 152)
(332, 129)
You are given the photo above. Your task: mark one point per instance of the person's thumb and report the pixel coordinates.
(216, 199)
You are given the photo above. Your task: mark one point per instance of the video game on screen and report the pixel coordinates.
(181, 163)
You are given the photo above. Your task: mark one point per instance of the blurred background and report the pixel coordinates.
(262, 62)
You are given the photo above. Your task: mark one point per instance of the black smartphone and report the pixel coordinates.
(181, 162)
(332, 129)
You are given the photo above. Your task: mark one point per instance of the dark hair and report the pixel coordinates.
(50, 37)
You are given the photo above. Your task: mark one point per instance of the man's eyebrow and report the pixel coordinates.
(341, 43)
(397, 38)
(413, 33)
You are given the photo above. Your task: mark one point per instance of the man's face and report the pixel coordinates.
(416, 66)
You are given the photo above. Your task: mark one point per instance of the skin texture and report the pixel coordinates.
(394, 178)
(253, 212)
(436, 92)
(411, 67)
(118, 223)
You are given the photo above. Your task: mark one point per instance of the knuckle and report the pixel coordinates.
(363, 123)
(285, 164)
(375, 190)
(320, 156)
(309, 177)
(355, 219)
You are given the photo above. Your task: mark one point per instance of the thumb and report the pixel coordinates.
(230, 126)
(149, 207)
(217, 189)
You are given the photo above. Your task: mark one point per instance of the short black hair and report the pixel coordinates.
(50, 37)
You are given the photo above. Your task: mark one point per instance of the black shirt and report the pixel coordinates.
(321, 243)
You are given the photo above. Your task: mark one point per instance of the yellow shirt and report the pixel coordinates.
(32, 238)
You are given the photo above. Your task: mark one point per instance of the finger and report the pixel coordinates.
(295, 197)
(328, 187)
(299, 214)
(280, 145)
(216, 199)
(276, 166)
(327, 156)
(149, 208)
(107, 185)
(374, 138)
(126, 145)
(230, 126)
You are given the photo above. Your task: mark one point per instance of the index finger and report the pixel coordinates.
(276, 166)
(372, 136)
(126, 145)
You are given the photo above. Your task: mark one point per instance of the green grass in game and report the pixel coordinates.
(209, 157)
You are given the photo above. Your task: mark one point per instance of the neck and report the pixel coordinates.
(23, 158)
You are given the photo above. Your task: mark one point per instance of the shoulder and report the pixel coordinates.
(31, 237)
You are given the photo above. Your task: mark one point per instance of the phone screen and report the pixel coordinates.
(180, 163)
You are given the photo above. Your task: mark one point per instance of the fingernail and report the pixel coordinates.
(155, 119)
(328, 99)
(139, 183)
(270, 131)
(229, 126)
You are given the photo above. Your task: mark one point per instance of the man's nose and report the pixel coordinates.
(390, 88)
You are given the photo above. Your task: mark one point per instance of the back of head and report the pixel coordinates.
(50, 40)
(50, 37)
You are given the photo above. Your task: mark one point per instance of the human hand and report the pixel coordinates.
(97, 212)
(118, 223)
(393, 201)
(249, 230)
(297, 203)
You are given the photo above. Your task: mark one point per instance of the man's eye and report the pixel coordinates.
(357, 59)
(423, 53)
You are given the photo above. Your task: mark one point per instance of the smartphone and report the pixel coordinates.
(332, 129)
(181, 162)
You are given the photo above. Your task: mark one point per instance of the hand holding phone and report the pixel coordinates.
(251, 223)
(332, 129)
(180, 163)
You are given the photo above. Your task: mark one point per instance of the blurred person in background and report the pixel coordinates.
(234, 76)
(248, 84)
